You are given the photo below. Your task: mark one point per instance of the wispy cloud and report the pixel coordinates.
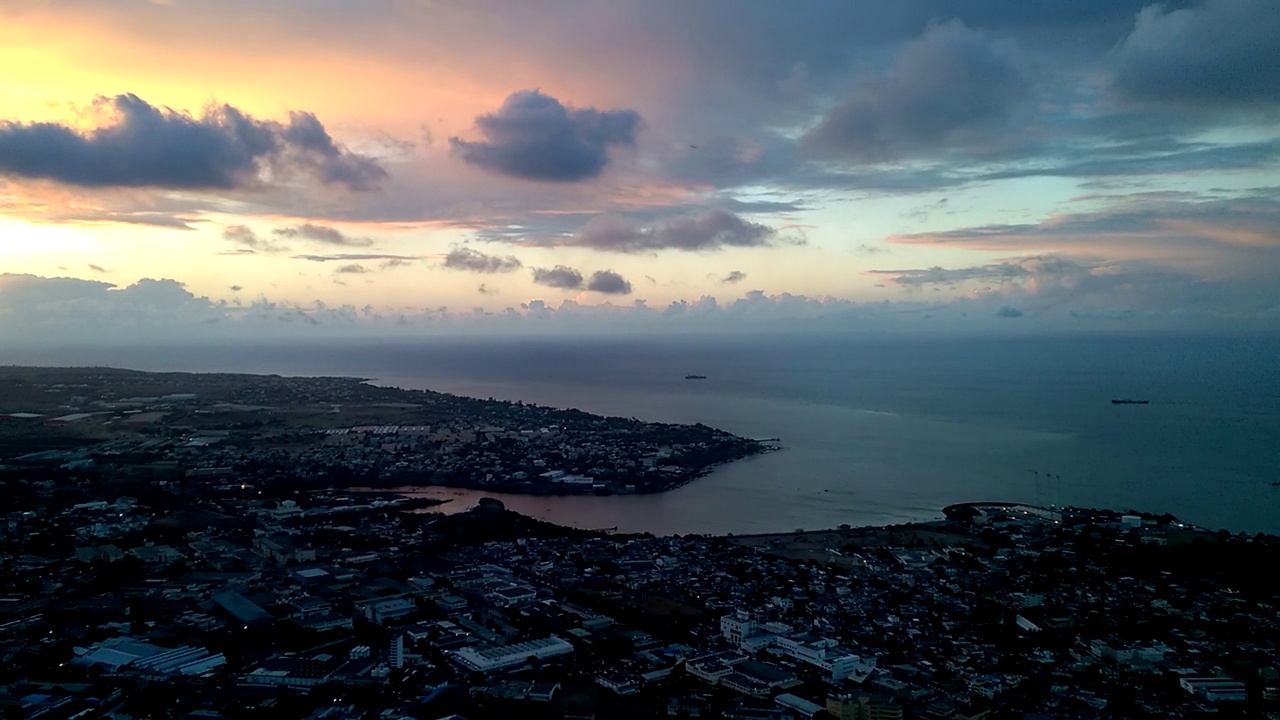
(323, 235)
(349, 257)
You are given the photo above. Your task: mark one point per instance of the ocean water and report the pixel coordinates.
(874, 429)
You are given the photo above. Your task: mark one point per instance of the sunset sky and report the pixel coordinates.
(201, 167)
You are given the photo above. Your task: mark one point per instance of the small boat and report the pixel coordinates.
(1126, 401)
(695, 377)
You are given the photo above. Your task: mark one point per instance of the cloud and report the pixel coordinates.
(534, 136)
(65, 312)
(709, 230)
(464, 258)
(1214, 237)
(142, 145)
(248, 241)
(322, 234)
(951, 89)
(1019, 268)
(1008, 311)
(352, 269)
(1219, 54)
(348, 257)
(560, 276)
(311, 147)
(97, 268)
(735, 276)
(609, 283)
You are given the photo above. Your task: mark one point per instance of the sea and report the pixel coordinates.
(873, 429)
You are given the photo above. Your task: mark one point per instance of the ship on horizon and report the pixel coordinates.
(695, 377)
(1128, 401)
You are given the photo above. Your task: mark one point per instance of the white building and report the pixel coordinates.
(837, 663)
(738, 627)
(508, 656)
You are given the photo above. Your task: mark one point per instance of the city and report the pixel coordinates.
(174, 575)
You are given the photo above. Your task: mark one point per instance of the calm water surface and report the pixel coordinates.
(874, 430)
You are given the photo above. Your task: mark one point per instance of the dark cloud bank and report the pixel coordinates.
(952, 88)
(712, 229)
(148, 146)
(534, 136)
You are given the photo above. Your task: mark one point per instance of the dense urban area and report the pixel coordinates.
(203, 554)
(277, 431)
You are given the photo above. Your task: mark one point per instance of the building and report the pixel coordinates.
(712, 669)
(1215, 689)
(757, 679)
(504, 657)
(835, 662)
(119, 653)
(512, 596)
(241, 608)
(283, 550)
(381, 611)
(292, 671)
(864, 707)
(397, 651)
(799, 705)
(738, 626)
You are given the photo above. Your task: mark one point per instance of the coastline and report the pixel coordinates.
(350, 431)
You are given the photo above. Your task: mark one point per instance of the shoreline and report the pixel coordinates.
(435, 438)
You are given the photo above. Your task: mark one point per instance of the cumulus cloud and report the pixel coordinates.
(534, 136)
(609, 283)
(54, 312)
(142, 145)
(952, 88)
(1218, 53)
(471, 260)
(709, 230)
(322, 234)
(560, 276)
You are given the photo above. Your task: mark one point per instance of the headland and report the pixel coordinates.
(268, 430)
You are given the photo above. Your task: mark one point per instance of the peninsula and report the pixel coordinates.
(312, 432)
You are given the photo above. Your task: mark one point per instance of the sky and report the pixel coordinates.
(227, 168)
